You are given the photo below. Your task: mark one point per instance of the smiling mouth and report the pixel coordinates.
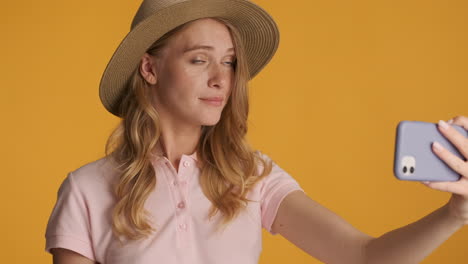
(214, 102)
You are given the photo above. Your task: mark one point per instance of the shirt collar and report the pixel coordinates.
(158, 154)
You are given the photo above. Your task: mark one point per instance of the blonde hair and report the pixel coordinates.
(228, 165)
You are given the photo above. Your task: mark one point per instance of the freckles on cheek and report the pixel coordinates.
(191, 72)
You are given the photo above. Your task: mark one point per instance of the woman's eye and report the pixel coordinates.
(197, 61)
(231, 63)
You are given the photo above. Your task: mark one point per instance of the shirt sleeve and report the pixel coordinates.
(68, 225)
(275, 187)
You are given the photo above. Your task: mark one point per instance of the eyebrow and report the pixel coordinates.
(204, 47)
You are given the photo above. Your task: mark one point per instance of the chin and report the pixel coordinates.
(210, 121)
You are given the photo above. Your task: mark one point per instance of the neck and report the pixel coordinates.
(177, 141)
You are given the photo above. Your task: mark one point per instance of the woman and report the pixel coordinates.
(179, 183)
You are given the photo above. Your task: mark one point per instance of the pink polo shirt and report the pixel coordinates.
(81, 218)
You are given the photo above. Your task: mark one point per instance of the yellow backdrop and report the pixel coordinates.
(325, 108)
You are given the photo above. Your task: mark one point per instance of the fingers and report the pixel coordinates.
(460, 121)
(454, 162)
(456, 138)
(459, 187)
(460, 166)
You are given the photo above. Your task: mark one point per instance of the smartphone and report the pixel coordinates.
(414, 159)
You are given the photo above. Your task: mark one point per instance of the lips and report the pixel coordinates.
(213, 99)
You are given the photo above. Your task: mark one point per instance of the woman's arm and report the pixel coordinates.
(414, 242)
(65, 256)
(318, 231)
(326, 236)
(329, 238)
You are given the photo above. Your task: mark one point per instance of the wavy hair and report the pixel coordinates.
(228, 165)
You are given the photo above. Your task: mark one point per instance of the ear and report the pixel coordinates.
(148, 69)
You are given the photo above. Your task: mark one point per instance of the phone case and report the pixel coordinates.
(414, 158)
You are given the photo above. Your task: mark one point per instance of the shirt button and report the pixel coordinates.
(181, 205)
(182, 226)
(186, 163)
(175, 183)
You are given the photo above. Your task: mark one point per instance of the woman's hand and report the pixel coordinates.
(458, 203)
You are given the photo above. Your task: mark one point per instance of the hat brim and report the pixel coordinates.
(258, 31)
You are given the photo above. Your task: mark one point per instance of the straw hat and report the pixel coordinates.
(154, 18)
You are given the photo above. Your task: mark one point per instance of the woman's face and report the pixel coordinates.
(194, 74)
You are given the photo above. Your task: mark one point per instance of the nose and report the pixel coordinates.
(220, 76)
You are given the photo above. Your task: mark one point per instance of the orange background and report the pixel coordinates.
(325, 108)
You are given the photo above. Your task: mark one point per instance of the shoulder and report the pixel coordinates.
(265, 161)
(94, 174)
(277, 176)
(262, 158)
